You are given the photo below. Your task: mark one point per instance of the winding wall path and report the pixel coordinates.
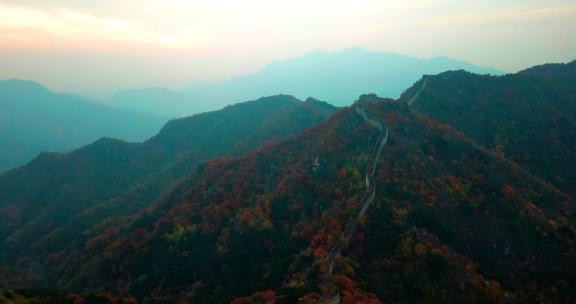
(368, 197)
(365, 202)
(417, 94)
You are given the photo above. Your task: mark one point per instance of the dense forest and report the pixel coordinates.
(460, 191)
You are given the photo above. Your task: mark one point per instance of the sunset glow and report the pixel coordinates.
(205, 34)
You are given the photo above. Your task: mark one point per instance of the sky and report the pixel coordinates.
(95, 47)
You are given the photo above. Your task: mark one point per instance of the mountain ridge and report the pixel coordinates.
(113, 177)
(545, 115)
(336, 77)
(34, 119)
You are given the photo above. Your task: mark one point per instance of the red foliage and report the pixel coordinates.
(342, 173)
(319, 252)
(344, 282)
(351, 294)
(262, 297)
(319, 239)
(508, 192)
(78, 299)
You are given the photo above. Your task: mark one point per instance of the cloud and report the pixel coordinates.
(192, 23)
(60, 24)
(223, 24)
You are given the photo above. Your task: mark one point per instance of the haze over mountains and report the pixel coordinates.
(159, 101)
(335, 77)
(463, 204)
(34, 119)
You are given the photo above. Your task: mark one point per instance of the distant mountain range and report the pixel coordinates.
(461, 190)
(34, 119)
(335, 77)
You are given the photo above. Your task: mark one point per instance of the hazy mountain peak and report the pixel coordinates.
(34, 119)
(337, 77)
(371, 97)
(278, 98)
(453, 74)
(22, 86)
(316, 101)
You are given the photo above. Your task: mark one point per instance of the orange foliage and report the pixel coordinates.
(508, 192)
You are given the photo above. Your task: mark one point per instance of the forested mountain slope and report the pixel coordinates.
(386, 201)
(452, 193)
(529, 117)
(47, 205)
